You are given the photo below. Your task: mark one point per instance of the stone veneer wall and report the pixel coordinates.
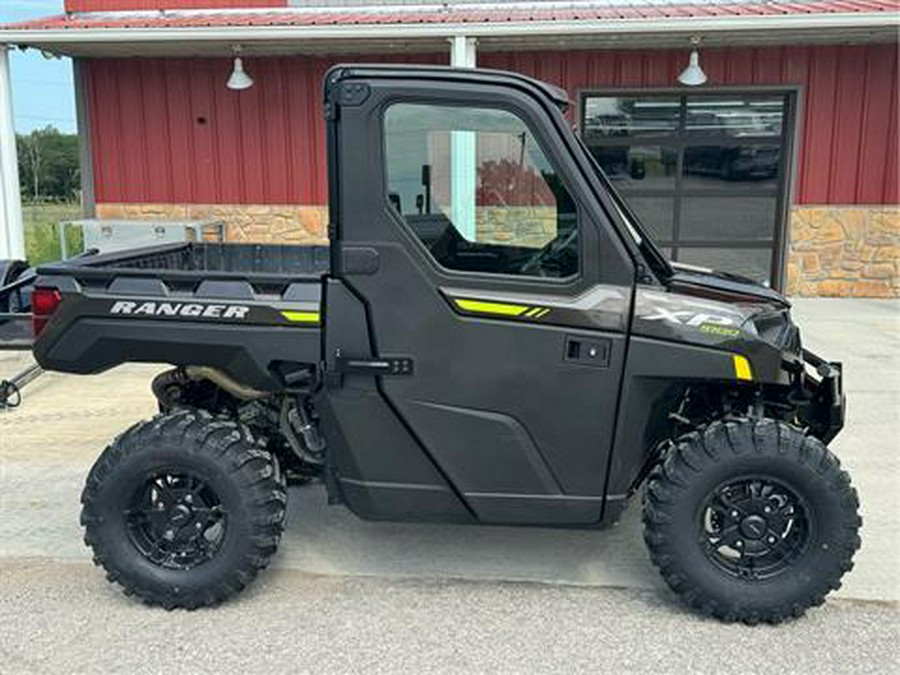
(531, 226)
(844, 251)
(287, 224)
(851, 251)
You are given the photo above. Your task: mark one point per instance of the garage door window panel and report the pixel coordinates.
(729, 166)
(638, 167)
(703, 171)
(656, 213)
(740, 218)
(754, 263)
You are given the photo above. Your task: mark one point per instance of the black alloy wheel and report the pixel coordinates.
(185, 509)
(754, 527)
(751, 520)
(176, 520)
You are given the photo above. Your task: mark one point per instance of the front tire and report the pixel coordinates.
(751, 520)
(184, 510)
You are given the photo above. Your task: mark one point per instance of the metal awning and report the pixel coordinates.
(507, 25)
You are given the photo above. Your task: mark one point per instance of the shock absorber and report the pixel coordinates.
(295, 420)
(303, 423)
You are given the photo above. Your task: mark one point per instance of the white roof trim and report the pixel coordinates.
(249, 34)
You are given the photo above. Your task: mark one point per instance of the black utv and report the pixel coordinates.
(491, 337)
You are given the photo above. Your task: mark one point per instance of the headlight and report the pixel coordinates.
(776, 328)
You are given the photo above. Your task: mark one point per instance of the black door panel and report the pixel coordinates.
(522, 433)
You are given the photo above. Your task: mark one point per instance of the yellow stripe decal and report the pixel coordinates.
(533, 312)
(742, 369)
(542, 313)
(482, 307)
(302, 317)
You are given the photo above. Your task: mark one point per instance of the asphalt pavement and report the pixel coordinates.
(348, 596)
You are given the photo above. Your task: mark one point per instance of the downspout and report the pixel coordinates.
(12, 236)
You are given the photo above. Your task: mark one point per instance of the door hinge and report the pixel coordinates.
(352, 93)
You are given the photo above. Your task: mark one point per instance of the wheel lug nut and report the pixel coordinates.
(739, 543)
(734, 514)
(772, 540)
(768, 509)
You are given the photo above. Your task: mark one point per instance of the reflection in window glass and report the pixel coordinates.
(727, 166)
(655, 213)
(701, 168)
(640, 166)
(606, 116)
(476, 189)
(726, 218)
(735, 116)
(754, 263)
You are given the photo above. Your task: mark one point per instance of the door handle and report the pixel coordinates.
(587, 351)
(390, 365)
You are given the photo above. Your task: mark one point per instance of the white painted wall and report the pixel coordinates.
(12, 239)
(462, 152)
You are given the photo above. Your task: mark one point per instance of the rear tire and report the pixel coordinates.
(751, 520)
(184, 510)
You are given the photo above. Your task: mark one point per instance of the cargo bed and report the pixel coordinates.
(209, 259)
(241, 308)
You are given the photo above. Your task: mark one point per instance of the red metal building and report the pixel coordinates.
(783, 165)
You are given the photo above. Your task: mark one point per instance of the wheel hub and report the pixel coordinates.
(180, 514)
(176, 520)
(754, 528)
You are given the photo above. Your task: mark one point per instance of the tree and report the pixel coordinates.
(49, 166)
(34, 163)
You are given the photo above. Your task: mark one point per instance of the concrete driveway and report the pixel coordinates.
(346, 595)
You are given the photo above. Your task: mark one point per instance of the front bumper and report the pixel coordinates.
(824, 405)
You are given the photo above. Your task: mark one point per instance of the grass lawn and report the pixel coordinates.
(42, 231)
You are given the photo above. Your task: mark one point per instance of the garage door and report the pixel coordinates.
(707, 173)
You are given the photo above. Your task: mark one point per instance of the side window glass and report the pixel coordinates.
(476, 189)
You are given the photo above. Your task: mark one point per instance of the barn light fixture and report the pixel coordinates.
(239, 79)
(693, 75)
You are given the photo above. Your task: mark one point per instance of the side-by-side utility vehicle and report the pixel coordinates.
(491, 337)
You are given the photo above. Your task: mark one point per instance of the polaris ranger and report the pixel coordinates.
(490, 338)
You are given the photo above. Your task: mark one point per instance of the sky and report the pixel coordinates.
(42, 89)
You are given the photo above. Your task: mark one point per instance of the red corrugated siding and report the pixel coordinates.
(848, 140)
(169, 131)
(114, 5)
(266, 145)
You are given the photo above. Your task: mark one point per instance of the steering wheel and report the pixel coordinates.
(554, 246)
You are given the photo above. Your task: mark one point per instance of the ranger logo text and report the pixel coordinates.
(189, 309)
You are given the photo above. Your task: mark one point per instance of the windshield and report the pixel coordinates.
(655, 257)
